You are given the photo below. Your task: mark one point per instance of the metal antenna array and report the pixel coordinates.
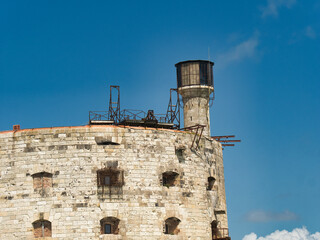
(114, 104)
(130, 117)
(173, 111)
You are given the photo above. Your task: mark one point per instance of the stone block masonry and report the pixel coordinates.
(48, 184)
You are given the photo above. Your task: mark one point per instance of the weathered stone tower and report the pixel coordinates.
(195, 84)
(114, 181)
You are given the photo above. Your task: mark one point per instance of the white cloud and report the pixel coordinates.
(264, 216)
(245, 49)
(273, 6)
(296, 234)
(310, 33)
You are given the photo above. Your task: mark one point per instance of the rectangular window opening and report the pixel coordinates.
(107, 228)
(107, 180)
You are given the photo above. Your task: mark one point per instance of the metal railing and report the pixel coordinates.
(131, 114)
(127, 115)
(137, 117)
(221, 233)
(98, 116)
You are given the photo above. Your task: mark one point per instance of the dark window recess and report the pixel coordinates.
(214, 229)
(104, 141)
(171, 226)
(170, 179)
(211, 181)
(42, 228)
(110, 180)
(107, 143)
(219, 233)
(109, 225)
(110, 177)
(42, 182)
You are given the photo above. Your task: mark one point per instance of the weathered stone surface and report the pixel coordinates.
(196, 100)
(74, 206)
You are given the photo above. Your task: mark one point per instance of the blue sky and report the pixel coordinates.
(57, 59)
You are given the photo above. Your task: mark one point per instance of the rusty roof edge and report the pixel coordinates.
(89, 126)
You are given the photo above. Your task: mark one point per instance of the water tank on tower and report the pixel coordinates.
(195, 85)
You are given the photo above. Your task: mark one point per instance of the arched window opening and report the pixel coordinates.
(42, 228)
(42, 182)
(171, 226)
(170, 179)
(214, 229)
(109, 225)
(211, 181)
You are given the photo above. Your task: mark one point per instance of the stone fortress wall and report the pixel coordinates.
(73, 204)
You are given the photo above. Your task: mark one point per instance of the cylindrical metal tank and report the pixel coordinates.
(194, 72)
